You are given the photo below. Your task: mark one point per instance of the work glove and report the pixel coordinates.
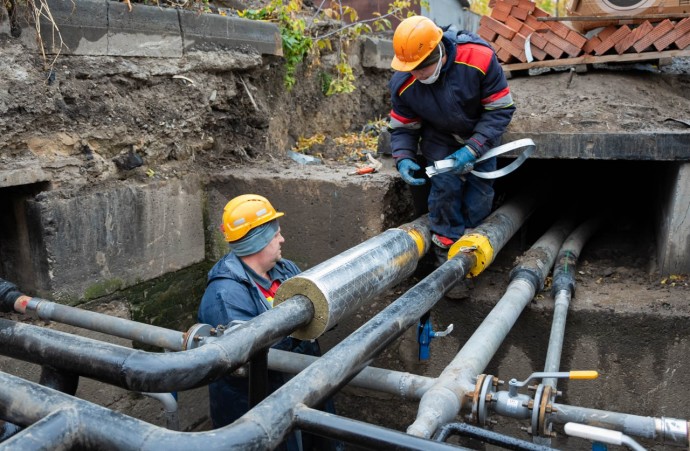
(464, 160)
(406, 168)
(8, 294)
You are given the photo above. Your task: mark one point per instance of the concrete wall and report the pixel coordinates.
(107, 239)
(326, 213)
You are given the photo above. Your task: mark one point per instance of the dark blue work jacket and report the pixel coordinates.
(232, 295)
(470, 103)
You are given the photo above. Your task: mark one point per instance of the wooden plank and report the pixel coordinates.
(609, 18)
(591, 59)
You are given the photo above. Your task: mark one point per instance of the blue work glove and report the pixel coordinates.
(406, 168)
(464, 160)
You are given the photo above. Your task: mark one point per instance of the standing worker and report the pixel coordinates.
(242, 285)
(450, 101)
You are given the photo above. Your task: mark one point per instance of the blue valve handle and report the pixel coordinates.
(424, 336)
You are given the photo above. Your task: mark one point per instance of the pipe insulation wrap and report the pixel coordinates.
(491, 236)
(338, 286)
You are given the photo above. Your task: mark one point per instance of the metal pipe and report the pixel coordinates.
(340, 285)
(361, 273)
(144, 371)
(172, 420)
(323, 378)
(404, 385)
(668, 431)
(111, 325)
(486, 436)
(362, 434)
(57, 431)
(445, 399)
(563, 288)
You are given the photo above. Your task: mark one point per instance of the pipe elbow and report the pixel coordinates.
(438, 406)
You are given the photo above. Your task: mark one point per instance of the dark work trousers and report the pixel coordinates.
(454, 202)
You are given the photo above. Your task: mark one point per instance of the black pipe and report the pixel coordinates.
(486, 436)
(362, 434)
(566, 262)
(258, 377)
(535, 264)
(143, 371)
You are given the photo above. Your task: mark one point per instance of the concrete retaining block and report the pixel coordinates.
(102, 241)
(377, 53)
(208, 31)
(673, 238)
(82, 26)
(325, 213)
(144, 31)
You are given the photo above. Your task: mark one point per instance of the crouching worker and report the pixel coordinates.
(241, 286)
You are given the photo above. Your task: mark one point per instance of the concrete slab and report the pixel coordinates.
(643, 146)
(208, 31)
(326, 212)
(82, 27)
(23, 176)
(673, 232)
(102, 241)
(145, 31)
(377, 53)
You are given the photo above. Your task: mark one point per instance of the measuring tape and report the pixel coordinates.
(446, 165)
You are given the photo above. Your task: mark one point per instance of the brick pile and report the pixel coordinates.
(512, 22)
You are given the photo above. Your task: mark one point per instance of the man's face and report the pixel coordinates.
(272, 250)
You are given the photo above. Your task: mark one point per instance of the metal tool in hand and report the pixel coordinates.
(441, 166)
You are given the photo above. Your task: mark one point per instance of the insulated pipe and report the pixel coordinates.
(445, 399)
(143, 371)
(404, 385)
(57, 431)
(362, 434)
(340, 285)
(111, 325)
(668, 431)
(563, 288)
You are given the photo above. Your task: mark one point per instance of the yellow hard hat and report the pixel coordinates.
(244, 213)
(414, 39)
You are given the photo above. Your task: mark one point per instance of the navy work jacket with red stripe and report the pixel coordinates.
(470, 102)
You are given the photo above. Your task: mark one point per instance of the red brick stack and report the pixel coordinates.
(512, 22)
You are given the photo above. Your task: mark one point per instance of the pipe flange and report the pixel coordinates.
(474, 416)
(488, 388)
(544, 405)
(195, 336)
(536, 406)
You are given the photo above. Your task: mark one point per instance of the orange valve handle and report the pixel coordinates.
(587, 374)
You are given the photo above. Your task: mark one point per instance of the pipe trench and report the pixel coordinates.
(445, 399)
(306, 307)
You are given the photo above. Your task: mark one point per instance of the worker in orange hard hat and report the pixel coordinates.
(241, 286)
(450, 100)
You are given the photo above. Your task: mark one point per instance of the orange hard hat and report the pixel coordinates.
(414, 39)
(244, 213)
